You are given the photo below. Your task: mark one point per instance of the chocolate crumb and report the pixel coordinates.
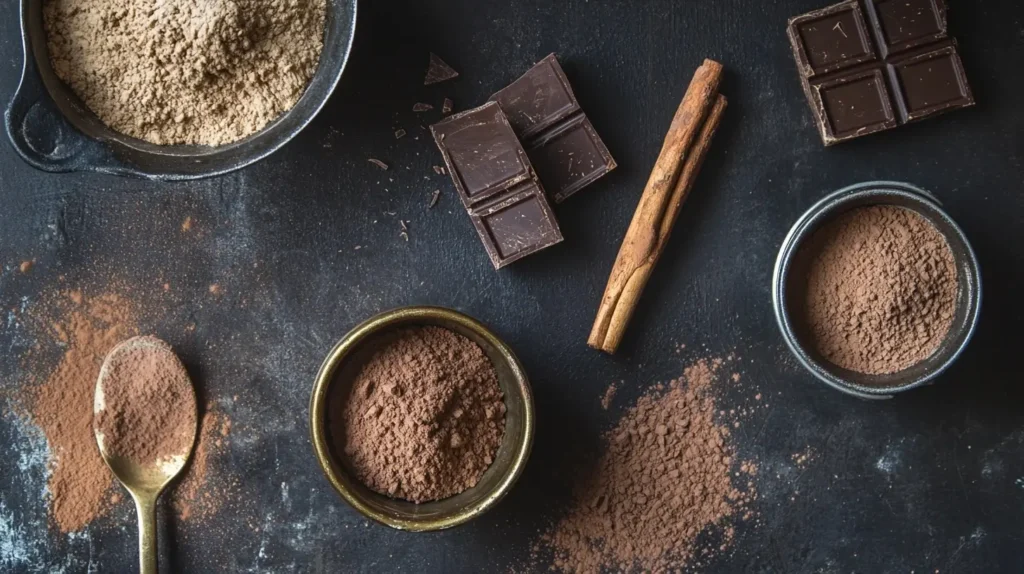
(609, 395)
(434, 198)
(378, 163)
(421, 107)
(438, 71)
(26, 266)
(399, 134)
(438, 170)
(186, 225)
(446, 108)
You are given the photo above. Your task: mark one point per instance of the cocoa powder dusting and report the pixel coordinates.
(62, 406)
(149, 412)
(196, 497)
(423, 418)
(59, 400)
(881, 289)
(664, 478)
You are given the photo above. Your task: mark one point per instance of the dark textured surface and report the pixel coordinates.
(933, 480)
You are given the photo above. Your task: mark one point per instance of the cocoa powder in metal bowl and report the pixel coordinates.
(423, 418)
(881, 289)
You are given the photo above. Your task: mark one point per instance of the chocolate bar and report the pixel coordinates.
(561, 142)
(496, 183)
(871, 65)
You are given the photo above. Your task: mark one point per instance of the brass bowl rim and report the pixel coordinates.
(373, 326)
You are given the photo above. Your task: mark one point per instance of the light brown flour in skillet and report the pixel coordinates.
(205, 72)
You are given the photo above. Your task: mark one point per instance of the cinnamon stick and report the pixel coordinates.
(671, 180)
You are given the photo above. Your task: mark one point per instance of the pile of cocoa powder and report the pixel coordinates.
(666, 476)
(148, 413)
(423, 418)
(881, 289)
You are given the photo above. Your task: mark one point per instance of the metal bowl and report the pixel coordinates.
(343, 364)
(53, 130)
(788, 285)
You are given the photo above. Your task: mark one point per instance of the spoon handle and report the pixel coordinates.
(145, 507)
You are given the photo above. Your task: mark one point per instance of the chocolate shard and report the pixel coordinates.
(438, 71)
(496, 183)
(854, 89)
(562, 143)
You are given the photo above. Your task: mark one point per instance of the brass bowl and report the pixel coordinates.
(344, 362)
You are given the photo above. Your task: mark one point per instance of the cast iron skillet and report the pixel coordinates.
(53, 131)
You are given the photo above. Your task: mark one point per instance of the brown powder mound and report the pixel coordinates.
(149, 412)
(196, 496)
(424, 417)
(881, 289)
(60, 401)
(205, 72)
(62, 406)
(663, 479)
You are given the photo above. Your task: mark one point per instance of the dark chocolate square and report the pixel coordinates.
(482, 153)
(900, 25)
(570, 158)
(516, 225)
(538, 99)
(930, 83)
(854, 105)
(830, 39)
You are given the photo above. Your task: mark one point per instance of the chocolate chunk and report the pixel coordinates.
(496, 183)
(831, 39)
(900, 25)
(438, 71)
(930, 82)
(517, 224)
(856, 87)
(562, 143)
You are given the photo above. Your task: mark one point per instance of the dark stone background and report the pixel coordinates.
(931, 481)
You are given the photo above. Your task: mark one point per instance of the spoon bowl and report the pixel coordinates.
(145, 480)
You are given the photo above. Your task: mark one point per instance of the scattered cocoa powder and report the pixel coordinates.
(196, 497)
(149, 407)
(665, 477)
(62, 405)
(423, 418)
(188, 72)
(881, 289)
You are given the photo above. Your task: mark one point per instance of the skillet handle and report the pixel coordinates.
(41, 134)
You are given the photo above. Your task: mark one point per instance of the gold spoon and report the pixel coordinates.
(139, 377)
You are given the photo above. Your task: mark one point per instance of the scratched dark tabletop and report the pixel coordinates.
(930, 481)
